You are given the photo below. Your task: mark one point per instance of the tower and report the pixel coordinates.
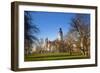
(60, 34)
(46, 42)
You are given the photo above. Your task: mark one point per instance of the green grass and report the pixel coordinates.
(54, 56)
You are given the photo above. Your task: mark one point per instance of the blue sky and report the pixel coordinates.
(50, 22)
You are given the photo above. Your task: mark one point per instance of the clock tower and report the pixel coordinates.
(60, 34)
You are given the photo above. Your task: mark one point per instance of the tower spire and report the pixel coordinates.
(60, 34)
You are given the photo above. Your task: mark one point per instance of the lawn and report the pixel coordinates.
(54, 56)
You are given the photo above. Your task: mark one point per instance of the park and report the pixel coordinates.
(67, 41)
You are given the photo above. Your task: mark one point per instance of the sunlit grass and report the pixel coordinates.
(54, 56)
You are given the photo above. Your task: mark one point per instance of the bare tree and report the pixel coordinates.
(82, 27)
(70, 40)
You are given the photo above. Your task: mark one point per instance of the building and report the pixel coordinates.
(52, 45)
(47, 45)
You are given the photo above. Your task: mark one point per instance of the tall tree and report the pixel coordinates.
(30, 30)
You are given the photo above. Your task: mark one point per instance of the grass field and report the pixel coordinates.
(54, 56)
